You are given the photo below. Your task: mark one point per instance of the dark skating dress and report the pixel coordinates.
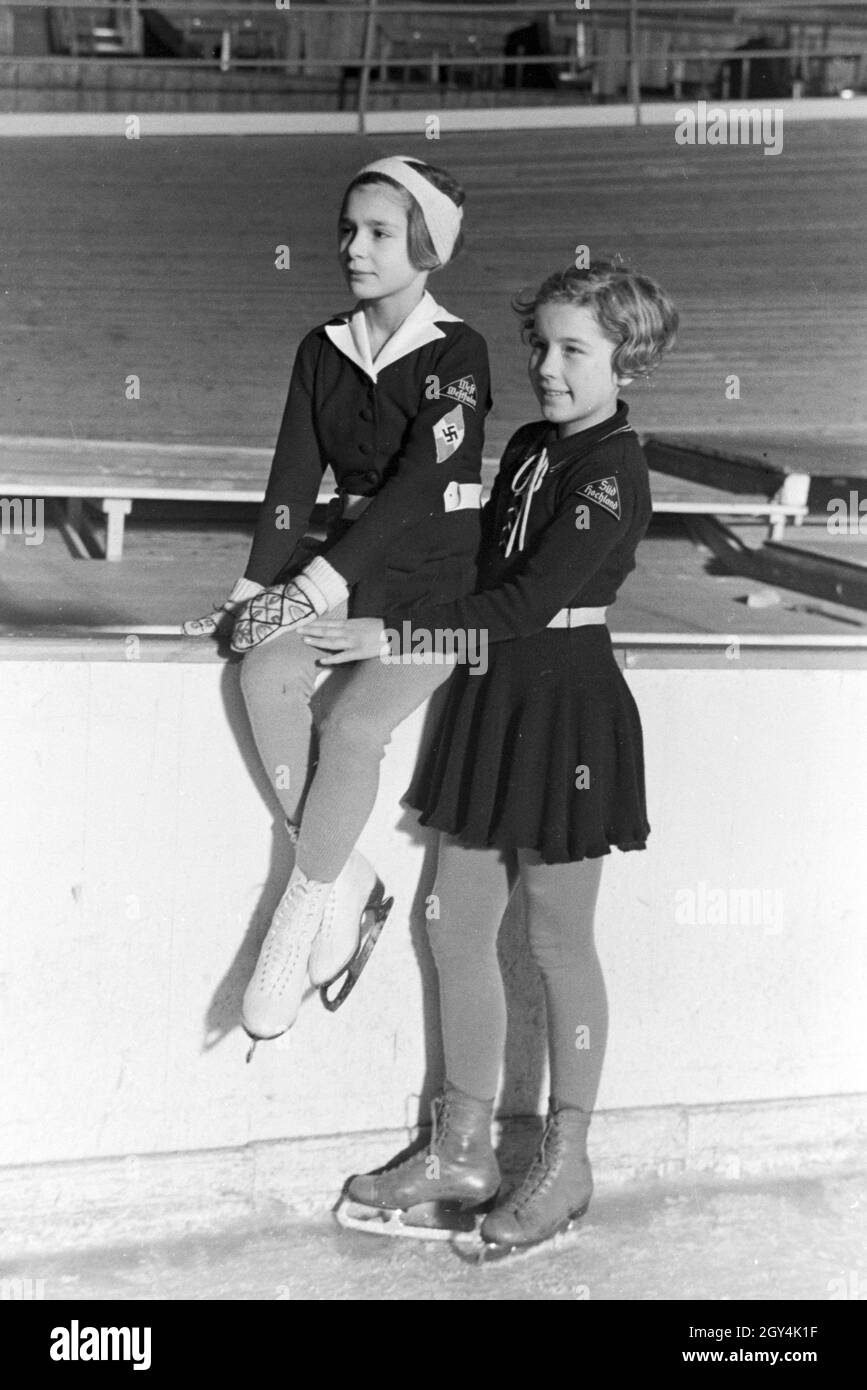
(544, 750)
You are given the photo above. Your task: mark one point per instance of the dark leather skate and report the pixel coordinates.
(556, 1190)
(454, 1176)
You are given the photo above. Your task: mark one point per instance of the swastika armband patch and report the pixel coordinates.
(463, 390)
(448, 433)
(605, 493)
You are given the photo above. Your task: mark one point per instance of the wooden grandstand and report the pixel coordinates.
(476, 54)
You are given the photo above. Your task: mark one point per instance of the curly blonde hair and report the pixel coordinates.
(632, 311)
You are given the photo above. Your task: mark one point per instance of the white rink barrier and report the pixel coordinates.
(142, 857)
(177, 123)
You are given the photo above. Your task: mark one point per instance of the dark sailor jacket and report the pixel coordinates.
(400, 429)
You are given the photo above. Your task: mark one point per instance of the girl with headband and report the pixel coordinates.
(393, 397)
(537, 770)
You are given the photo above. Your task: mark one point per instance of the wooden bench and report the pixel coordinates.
(113, 474)
(780, 468)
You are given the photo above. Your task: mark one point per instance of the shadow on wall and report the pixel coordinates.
(525, 1058)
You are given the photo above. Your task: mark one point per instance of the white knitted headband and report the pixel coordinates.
(442, 216)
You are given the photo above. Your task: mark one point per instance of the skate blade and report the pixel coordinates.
(256, 1038)
(351, 972)
(431, 1221)
(472, 1249)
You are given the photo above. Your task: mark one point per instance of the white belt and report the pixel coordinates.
(578, 617)
(458, 497)
(462, 497)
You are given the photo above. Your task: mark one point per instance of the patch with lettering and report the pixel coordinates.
(463, 390)
(605, 493)
(448, 433)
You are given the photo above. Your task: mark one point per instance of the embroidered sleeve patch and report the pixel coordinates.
(605, 493)
(463, 390)
(448, 433)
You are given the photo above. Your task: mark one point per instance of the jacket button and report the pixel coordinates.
(365, 414)
(365, 449)
(371, 477)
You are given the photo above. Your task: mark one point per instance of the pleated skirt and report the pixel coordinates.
(543, 751)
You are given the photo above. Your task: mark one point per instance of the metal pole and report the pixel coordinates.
(136, 27)
(634, 75)
(367, 54)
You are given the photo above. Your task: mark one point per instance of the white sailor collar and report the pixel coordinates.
(349, 335)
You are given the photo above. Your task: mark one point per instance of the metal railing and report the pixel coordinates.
(223, 29)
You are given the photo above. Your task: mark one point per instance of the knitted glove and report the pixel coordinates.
(286, 606)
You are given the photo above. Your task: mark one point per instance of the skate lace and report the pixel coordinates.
(440, 1115)
(438, 1132)
(282, 948)
(543, 1170)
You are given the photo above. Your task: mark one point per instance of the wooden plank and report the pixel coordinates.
(857, 642)
(96, 488)
(118, 468)
(740, 658)
(795, 468)
(673, 493)
(125, 469)
(851, 549)
(836, 581)
(820, 456)
(714, 468)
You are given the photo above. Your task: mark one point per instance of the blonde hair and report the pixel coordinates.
(632, 311)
